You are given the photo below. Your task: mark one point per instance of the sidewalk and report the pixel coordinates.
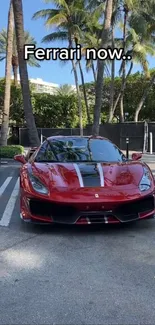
(147, 154)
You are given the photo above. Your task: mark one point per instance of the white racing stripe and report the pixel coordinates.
(100, 169)
(5, 184)
(10, 206)
(79, 174)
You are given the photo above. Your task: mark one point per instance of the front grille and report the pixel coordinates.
(138, 206)
(64, 213)
(58, 212)
(130, 211)
(97, 219)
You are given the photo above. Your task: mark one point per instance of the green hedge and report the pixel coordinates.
(11, 151)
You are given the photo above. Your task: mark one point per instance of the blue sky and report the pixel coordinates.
(52, 71)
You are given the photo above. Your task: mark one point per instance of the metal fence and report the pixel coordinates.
(151, 129)
(116, 132)
(135, 133)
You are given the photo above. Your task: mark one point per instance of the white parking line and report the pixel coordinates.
(10, 206)
(5, 184)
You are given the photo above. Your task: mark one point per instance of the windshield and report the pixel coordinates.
(79, 150)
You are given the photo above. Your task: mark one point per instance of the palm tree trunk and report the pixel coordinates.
(15, 74)
(15, 65)
(19, 27)
(78, 97)
(123, 66)
(84, 92)
(122, 88)
(142, 100)
(101, 65)
(77, 88)
(112, 81)
(121, 109)
(94, 72)
(7, 91)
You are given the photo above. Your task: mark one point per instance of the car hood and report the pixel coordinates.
(75, 176)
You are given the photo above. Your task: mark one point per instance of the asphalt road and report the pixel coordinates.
(73, 275)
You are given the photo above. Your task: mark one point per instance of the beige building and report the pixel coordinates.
(41, 86)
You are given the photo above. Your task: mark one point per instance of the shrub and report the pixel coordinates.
(11, 151)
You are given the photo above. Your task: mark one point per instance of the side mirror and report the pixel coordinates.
(136, 156)
(20, 158)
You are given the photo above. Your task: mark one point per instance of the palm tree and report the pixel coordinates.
(125, 7)
(89, 38)
(132, 6)
(65, 18)
(65, 90)
(6, 110)
(19, 27)
(101, 66)
(90, 41)
(84, 92)
(139, 43)
(125, 19)
(28, 39)
(116, 16)
(144, 34)
(142, 100)
(112, 84)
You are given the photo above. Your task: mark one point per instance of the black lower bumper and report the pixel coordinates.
(67, 214)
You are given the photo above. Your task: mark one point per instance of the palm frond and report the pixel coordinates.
(65, 90)
(56, 20)
(32, 62)
(93, 4)
(45, 13)
(60, 35)
(28, 39)
(59, 4)
(138, 23)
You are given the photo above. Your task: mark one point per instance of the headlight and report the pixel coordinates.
(37, 185)
(145, 182)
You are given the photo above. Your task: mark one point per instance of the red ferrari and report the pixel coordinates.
(84, 180)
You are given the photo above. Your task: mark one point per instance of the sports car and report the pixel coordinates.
(84, 180)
